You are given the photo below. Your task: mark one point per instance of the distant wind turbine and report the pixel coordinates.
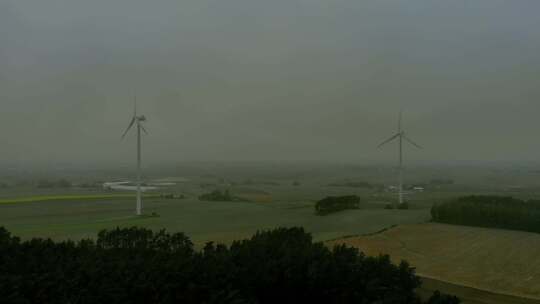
(138, 120)
(401, 136)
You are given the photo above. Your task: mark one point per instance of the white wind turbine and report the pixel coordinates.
(401, 136)
(139, 120)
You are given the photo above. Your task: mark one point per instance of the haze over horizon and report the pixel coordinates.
(269, 80)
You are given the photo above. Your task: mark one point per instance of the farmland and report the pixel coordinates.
(470, 295)
(68, 197)
(497, 261)
(273, 196)
(203, 221)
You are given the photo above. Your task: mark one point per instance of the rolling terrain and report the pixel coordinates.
(475, 264)
(490, 260)
(202, 221)
(470, 295)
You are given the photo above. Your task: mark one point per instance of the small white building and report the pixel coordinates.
(392, 189)
(419, 189)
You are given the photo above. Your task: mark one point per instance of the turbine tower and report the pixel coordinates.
(401, 136)
(138, 120)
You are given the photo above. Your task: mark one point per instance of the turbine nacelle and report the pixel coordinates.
(139, 120)
(400, 134)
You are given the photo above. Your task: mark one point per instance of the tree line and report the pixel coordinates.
(490, 211)
(217, 196)
(136, 265)
(333, 204)
(354, 184)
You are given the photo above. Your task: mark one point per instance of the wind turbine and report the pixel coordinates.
(138, 120)
(401, 136)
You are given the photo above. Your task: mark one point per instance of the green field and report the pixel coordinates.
(70, 197)
(278, 195)
(203, 221)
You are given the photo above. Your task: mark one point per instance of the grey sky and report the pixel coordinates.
(269, 80)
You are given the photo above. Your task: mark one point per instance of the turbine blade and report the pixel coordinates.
(412, 142)
(399, 121)
(389, 140)
(134, 105)
(142, 127)
(129, 127)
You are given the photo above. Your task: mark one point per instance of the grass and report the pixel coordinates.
(75, 218)
(79, 213)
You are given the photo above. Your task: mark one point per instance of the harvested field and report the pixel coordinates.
(498, 261)
(469, 295)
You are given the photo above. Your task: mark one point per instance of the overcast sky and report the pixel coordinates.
(269, 80)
